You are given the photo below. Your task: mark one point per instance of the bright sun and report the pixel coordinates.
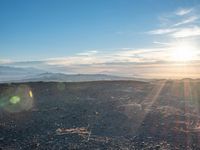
(183, 52)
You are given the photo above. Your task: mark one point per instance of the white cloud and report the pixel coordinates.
(162, 31)
(71, 60)
(162, 43)
(183, 11)
(88, 53)
(5, 61)
(187, 32)
(186, 21)
(119, 55)
(188, 27)
(181, 32)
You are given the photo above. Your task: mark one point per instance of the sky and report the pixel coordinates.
(147, 38)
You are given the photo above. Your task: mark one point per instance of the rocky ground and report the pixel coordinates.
(162, 114)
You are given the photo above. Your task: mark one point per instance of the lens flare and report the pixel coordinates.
(14, 100)
(31, 94)
(61, 86)
(17, 99)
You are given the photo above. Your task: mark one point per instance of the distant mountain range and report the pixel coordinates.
(8, 73)
(11, 71)
(14, 74)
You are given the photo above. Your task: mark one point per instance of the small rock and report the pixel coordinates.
(2, 138)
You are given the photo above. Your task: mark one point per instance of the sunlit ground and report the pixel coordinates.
(119, 108)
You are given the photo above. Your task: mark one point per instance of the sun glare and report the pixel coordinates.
(183, 52)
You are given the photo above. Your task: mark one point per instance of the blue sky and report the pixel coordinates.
(85, 32)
